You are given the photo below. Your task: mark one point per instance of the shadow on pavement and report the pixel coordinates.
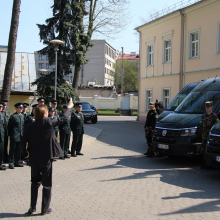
(16, 215)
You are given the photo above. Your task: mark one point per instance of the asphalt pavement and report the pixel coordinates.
(114, 180)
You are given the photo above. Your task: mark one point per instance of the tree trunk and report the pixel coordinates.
(76, 77)
(11, 50)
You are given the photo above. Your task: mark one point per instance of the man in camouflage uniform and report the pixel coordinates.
(149, 127)
(209, 119)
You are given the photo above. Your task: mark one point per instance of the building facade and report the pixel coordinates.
(101, 56)
(176, 49)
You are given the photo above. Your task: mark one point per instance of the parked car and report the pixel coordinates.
(89, 113)
(94, 108)
(176, 134)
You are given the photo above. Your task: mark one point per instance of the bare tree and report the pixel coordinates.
(11, 50)
(105, 17)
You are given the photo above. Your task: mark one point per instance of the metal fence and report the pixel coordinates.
(172, 8)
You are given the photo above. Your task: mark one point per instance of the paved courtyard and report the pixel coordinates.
(113, 180)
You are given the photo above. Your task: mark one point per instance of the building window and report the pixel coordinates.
(47, 66)
(47, 57)
(218, 37)
(41, 65)
(167, 51)
(149, 98)
(41, 57)
(150, 55)
(166, 97)
(194, 36)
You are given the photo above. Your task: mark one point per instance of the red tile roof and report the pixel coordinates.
(128, 57)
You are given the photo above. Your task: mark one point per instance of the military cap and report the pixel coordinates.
(5, 102)
(34, 105)
(52, 109)
(64, 106)
(54, 101)
(19, 105)
(79, 104)
(1, 103)
(208, 104)
(41, 99)
(151, 104)
(25, 104)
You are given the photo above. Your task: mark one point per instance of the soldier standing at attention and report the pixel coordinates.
(54, 105)
(65, 133)
(149, 127)
(7, 115)
(24, 112)
(52, 116)
(209, 119)
(15, 131)
(77, 127)
(41, 101)
(2, 136)
(30, 118)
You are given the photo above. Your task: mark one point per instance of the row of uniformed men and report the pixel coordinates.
(13, 127)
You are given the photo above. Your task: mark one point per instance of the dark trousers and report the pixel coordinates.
(14, 152)
(203, 150)
(6, 147)
(41, 173)
(77, 143)
(56, 133)
(64, 142)
(149, 136)
(1, 152)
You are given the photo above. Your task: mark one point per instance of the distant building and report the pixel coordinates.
(101, 56)
(3, 48)
(131, 57)
(24, 74)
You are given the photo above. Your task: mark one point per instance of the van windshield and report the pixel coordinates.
(195, 102)
(176, 101)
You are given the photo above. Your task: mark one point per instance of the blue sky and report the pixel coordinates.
(33, 12)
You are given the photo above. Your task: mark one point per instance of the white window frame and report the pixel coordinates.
(190, 43)
(150, 54)
(169, 49)
(147, 97)
(163, 89)
(218, 38)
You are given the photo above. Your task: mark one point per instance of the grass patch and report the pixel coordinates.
(134, 112)
(108, 112)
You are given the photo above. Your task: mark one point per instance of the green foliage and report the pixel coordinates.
(130, 79)
(45, 87)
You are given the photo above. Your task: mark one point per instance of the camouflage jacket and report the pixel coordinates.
(207, 122)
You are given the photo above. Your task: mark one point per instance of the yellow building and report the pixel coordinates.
(178, 48)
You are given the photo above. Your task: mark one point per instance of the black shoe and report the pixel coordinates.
(78, 153)
(2, 168)
(61, 158)
(31, 210)
(11, 166)
(73, 155)
(146, 153)
(18, 165)
(53, 160)
(66, 156)
(46, 212)
(69, 152)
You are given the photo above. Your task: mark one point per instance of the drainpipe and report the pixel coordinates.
(138, 114)
(182, 58)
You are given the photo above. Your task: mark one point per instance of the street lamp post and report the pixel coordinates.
(56, 43)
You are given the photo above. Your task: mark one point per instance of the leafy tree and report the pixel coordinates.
(11, 50)
(45, 87)
(130, 77)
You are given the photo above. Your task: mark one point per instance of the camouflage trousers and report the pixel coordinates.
(203, 149)
(149, 136)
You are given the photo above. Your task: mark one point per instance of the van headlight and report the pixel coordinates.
(188, 132)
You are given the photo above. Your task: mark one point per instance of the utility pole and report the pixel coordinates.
(122, 72)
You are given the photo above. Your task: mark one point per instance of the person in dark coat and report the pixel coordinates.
(65, 132)
(15, 131)
(77, 127)
(43, 146)
(52, 116)
(7, 115)
(149, 127)
(30, 118)
(24, 112)
(2, 136)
